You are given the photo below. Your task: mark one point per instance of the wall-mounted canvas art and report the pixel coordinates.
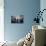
(17, 19)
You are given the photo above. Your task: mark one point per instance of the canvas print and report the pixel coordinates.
(17, 19)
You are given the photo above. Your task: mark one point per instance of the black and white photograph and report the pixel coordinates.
(17, 19)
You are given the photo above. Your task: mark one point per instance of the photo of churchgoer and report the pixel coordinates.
(17, 19)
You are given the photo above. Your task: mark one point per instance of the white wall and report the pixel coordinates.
(1, 20)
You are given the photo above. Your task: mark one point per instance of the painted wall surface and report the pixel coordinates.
(1, 20)
(13, 32)
(43, 6)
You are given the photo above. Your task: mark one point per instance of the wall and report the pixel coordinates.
(1, 20)
(43, 6)
(13, 32)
